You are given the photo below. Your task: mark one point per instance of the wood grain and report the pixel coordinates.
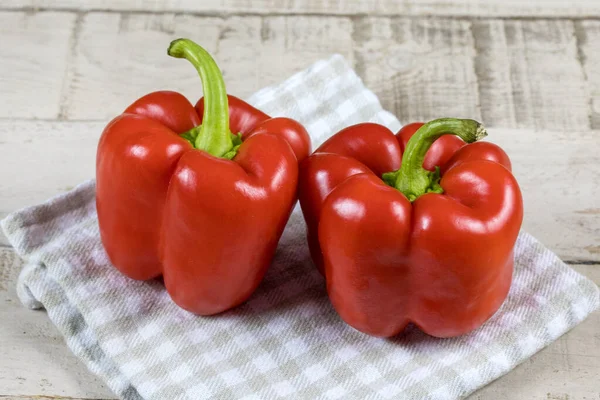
(530, 75)
(560, 188)
(48, 158)
(120, 57)
(419, 68)
(588, 36)
(35, 360)
(514, 74)
(471, 8)
(33, 61)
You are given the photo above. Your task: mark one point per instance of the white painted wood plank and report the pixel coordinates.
(557, 172)
(588, 36)
(33, 59)
(494, 74)
(530, 75)
(120, 57)
(290, 44)
(420, 68)
(472, 8)
(35, 359)
(42, 159)
(560, 181)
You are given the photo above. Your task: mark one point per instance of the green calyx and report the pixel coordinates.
(213, 136)
(236, 141)
(412, 179)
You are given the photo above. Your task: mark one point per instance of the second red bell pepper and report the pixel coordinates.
(198, 195)
(417, 227)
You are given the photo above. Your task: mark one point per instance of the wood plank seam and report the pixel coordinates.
(65, 89)
(340, 14)
(44, 397)
(580, 37)
(33, 62)
(476, 72)
(359, 64)
(581, 262)
(525, 71)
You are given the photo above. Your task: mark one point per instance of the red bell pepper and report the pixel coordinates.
(179, 195)
(417, 227)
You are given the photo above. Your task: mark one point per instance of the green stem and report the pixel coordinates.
(213, 136)
(412, 179)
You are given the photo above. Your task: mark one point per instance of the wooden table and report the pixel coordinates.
(529, 70)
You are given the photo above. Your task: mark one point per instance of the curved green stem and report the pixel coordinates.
(213, 136)
(412, 179)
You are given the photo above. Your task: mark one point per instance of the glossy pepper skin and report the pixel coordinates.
(399, 245)
(179, 195)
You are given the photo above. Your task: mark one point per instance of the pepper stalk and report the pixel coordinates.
(412, 179)
(213, 135)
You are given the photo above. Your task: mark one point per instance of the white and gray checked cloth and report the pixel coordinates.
(286, 341)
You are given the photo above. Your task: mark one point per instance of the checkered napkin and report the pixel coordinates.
(286, 341)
